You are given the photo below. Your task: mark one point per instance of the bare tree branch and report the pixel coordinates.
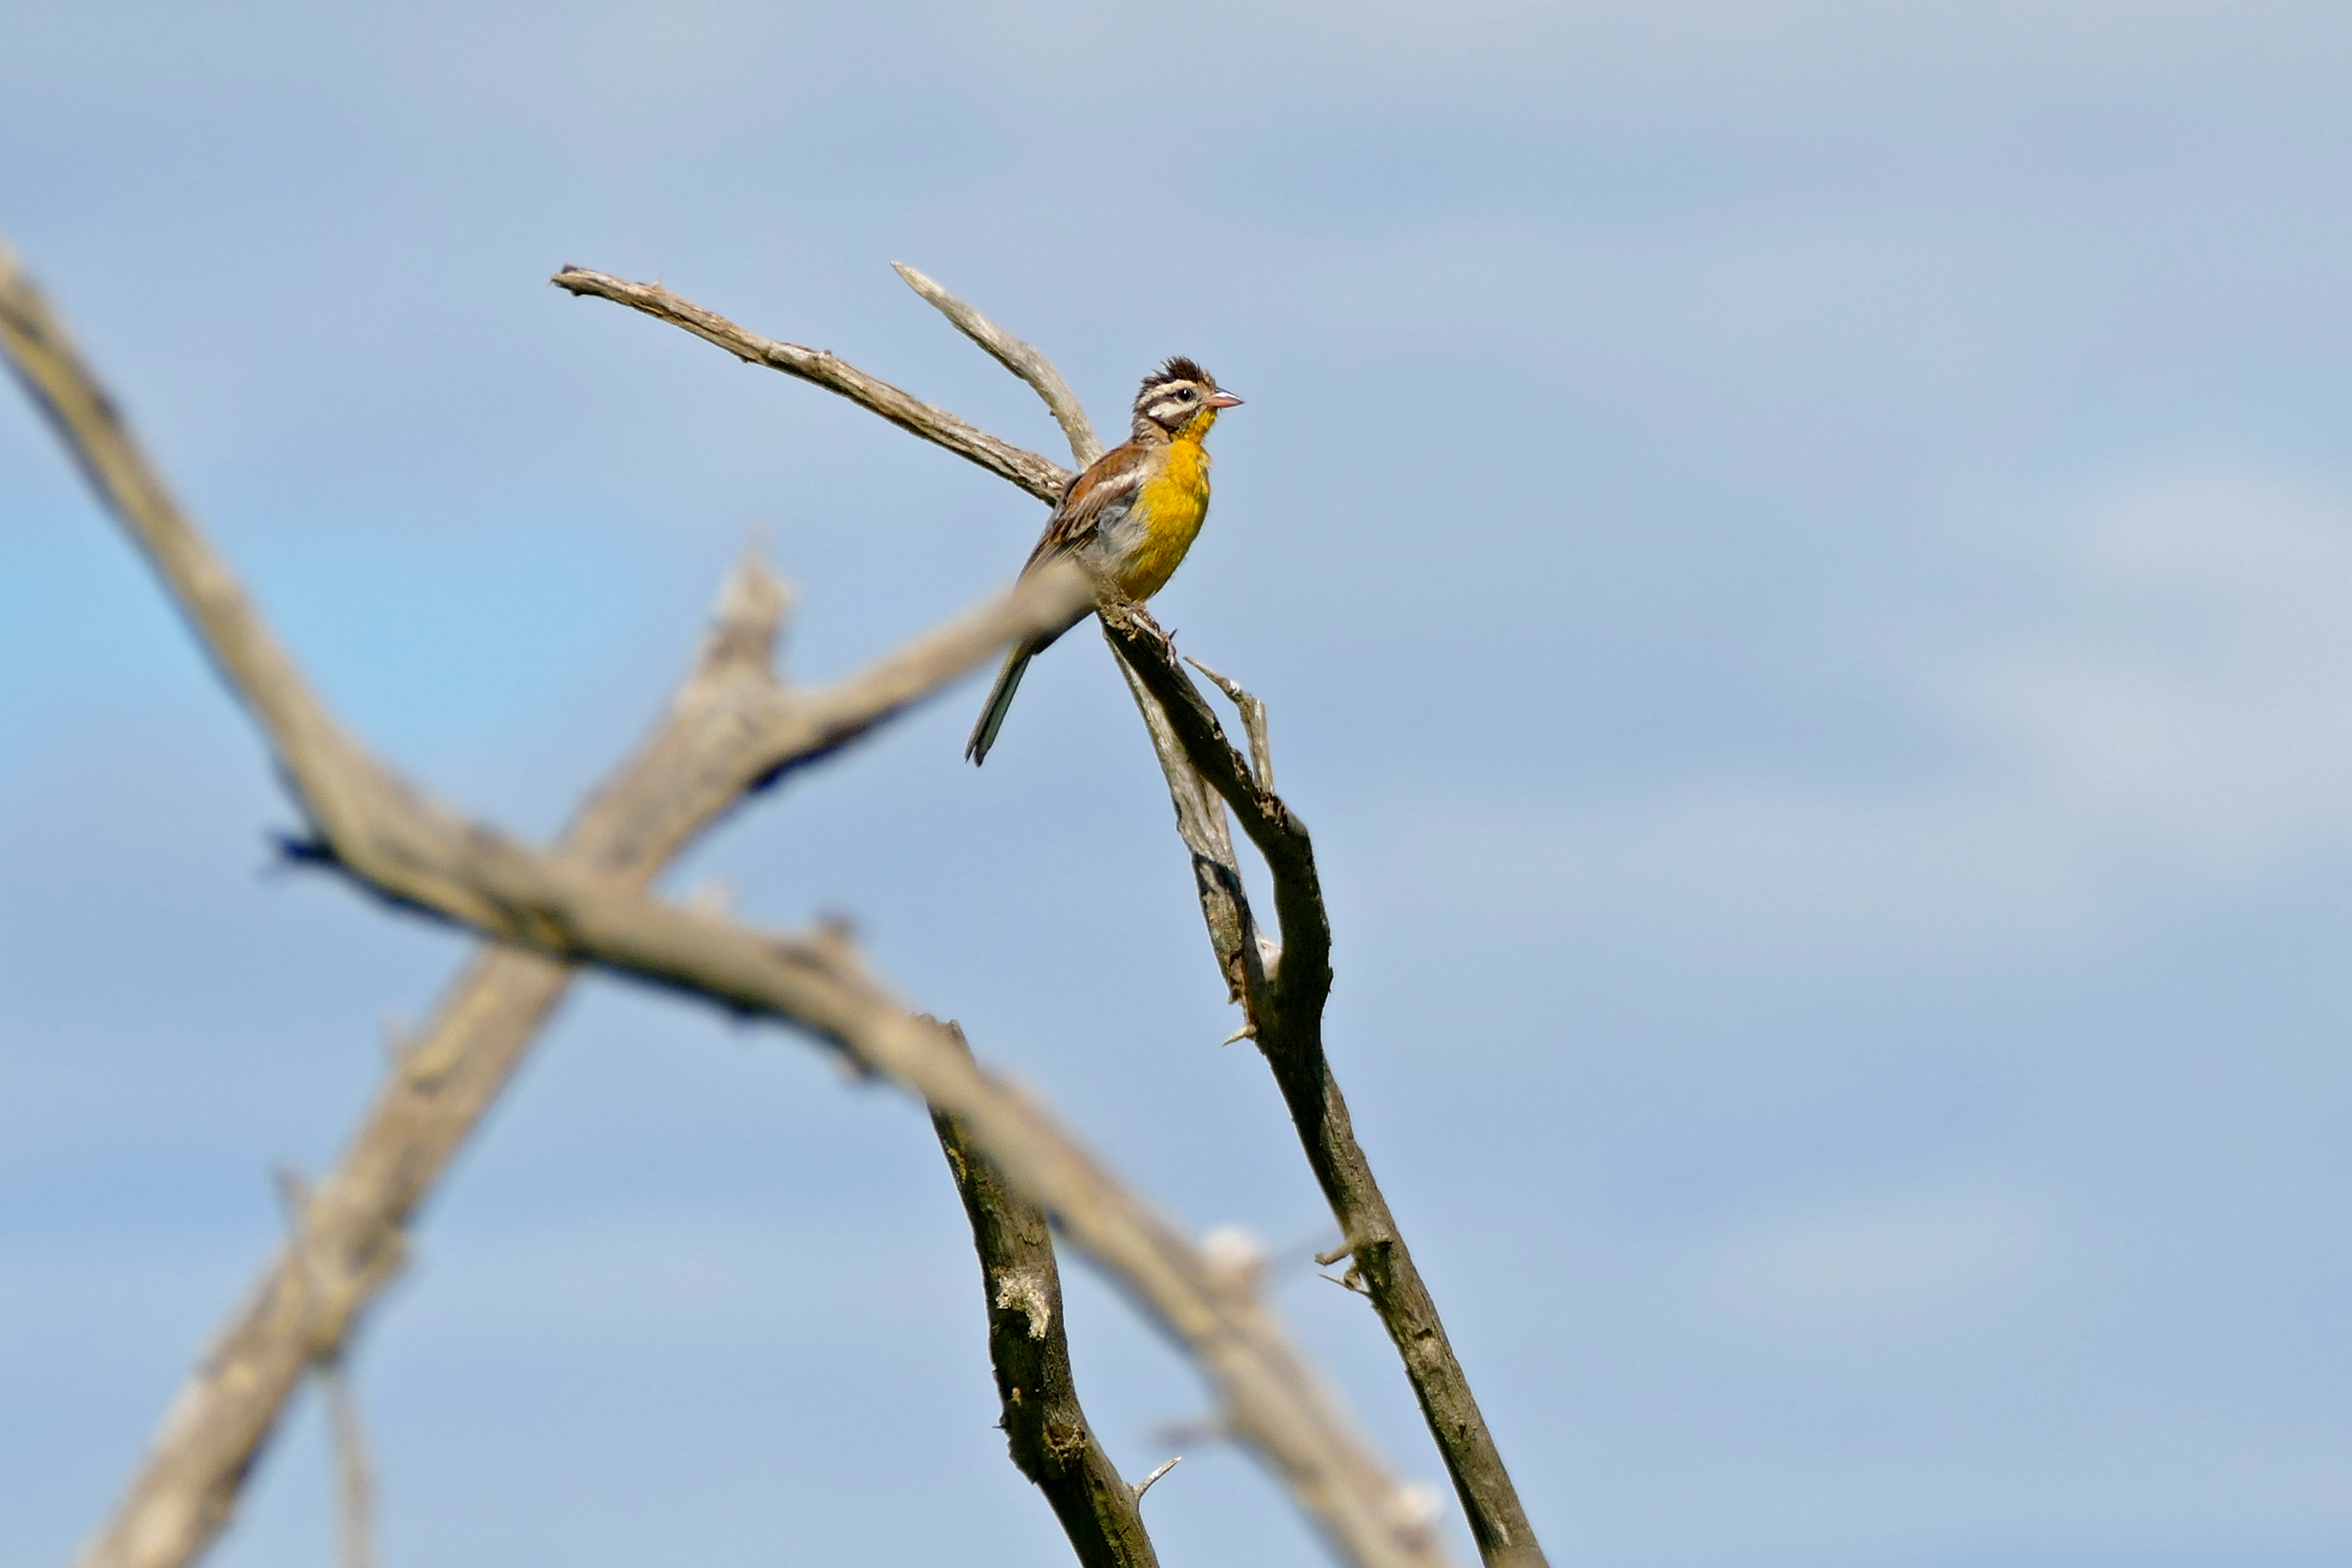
(1284, 1007)
(1283, 1003)
(1244, 955)
(1040, 477)
(1253, 712)
(1045, 1426)
(354, 1482)
(382, 833)
(1020, 358)
(1282, 988)
(730, 728)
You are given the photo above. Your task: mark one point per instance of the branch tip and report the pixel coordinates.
(1038, 475)
(1146, 1484)
(1018, 357)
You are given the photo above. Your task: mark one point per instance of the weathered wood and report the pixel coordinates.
(387, 838)
(1046, 1427)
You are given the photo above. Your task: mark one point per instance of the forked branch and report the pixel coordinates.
(1282, 987)
(1282, 992)
(1254, 725)
(730, 726)
(383, 835)
(1039, 476)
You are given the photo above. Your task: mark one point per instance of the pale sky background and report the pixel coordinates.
(1801, 556)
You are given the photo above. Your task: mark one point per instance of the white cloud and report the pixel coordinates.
(2164, 716)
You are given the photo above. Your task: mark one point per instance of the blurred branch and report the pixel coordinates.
(1020, 358)
(355, 1477)
(1045, 1426)
(730, 728)
(389, 838)
(1038, 476)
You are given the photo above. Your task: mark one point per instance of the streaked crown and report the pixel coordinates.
(1176, 394)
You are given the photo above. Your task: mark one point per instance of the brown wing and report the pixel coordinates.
(1095, 498)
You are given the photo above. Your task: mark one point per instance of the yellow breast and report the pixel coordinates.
(1173, 502)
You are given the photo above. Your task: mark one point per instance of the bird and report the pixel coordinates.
(1129, 519)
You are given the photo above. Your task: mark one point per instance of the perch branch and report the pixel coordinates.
(387, 838)
(1019, 358)
(1045, 1426)
(1284, 1016)
(1040, 477)
(1244, 955)
(1299, 979)
(1282, 1001)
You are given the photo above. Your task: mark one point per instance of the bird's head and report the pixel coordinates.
(1179, 400)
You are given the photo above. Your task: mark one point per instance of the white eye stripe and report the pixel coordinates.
(1172, 403)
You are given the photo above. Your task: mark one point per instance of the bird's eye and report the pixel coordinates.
(1188, 394)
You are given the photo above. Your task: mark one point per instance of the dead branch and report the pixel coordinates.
(355, 1477)
(1019, 358)
(1284, 1009)
(1038, 476)
(1244, 955)
(1282, 1000)
(387, 838)
(1253, 712)
(1298, 976)
(731, 727)
(1045, 1426)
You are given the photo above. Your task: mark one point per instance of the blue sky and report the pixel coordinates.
(1800, 554)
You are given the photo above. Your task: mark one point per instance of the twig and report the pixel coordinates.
(1040, 477)
(1019, 358)
(1243, 955)
(1045, 1426)
(354, 1486)
(383, 834)
(1253, 712)
(1299, 981)
(1165, 1466)
(355, 1477)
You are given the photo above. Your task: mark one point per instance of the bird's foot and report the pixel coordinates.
(1167, 638)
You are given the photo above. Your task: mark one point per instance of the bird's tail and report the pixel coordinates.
(999, 698)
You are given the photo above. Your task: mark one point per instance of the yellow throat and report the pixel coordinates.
(1175, 502)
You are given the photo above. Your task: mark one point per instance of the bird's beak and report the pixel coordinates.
(1224, 400)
